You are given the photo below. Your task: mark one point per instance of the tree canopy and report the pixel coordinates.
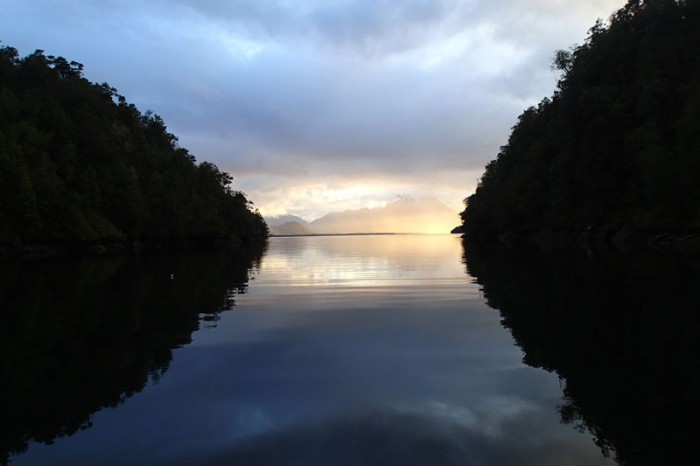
(617, 145)
(79, 164)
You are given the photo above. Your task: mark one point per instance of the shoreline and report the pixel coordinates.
(49, 250)
(625, 240)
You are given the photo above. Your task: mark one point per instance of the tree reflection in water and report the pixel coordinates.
(621, 331)
(78, 337)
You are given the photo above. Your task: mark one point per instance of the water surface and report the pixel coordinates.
(623, 332)
(336, 350)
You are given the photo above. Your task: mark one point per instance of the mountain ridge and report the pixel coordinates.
(406, 215)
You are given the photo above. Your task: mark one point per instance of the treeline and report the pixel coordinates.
(618, 144)
(78, 164)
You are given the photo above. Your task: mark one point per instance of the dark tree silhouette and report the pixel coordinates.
(617, 145)
(78, 164)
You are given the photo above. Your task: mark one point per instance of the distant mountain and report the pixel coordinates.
(290, 229)
(406, 215)
(403, 216)
(280, 220)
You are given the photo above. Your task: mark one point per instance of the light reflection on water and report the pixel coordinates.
(344, 350)
(362, 261)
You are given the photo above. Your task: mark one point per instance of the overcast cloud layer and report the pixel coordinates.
(315, 106)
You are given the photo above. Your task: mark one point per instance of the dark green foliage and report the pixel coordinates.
(617, 145)
(80, 164)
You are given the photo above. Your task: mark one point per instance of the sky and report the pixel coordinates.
(317, 106)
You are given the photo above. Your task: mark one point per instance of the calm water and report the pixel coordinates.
(325, 350)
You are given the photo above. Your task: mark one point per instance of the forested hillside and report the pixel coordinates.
(78, 164)
(618, 144)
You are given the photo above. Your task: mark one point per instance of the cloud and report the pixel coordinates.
(357, 26)
(391, 437)
(310, 92)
